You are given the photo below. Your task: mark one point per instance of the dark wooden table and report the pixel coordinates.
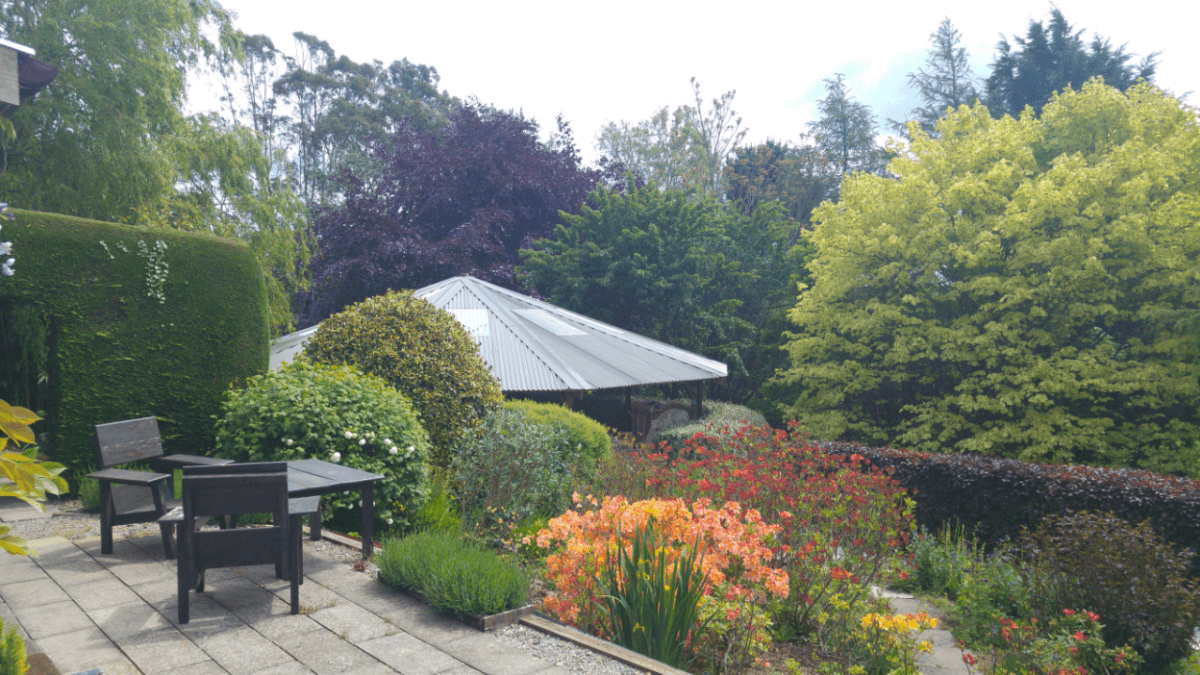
(312, 477)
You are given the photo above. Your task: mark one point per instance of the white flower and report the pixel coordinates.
(7, 269)
(362, 441)
(389, 521)
(393, 450)
(5, 247)
(372, 435)
(288, 441)
(337, 457)
(411, 449)
(387, 441)
(349, 434)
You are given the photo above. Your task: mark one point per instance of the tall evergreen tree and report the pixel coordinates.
(946, 81)
(1050, 59)
(845, 131)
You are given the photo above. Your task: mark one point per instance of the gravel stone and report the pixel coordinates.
(565, 655)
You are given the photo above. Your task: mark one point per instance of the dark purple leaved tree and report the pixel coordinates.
(462, 199)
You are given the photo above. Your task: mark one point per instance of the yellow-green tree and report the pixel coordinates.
(1022, 288)
(24, 476)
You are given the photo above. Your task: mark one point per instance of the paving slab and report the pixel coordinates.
(42, 621)
(410, 656)
(242, 651)
(353, 623)
(83, 650)
(55, 551)
(16, 568)
(162, 650)
(106, 592)
(32, 593)
(143, 572)
(202, 668)
(125, 621)
(482, 651)
(78, 572)
(327, 654)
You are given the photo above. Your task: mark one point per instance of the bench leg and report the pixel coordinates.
(314, 526)
(168, 536)
(106, 518)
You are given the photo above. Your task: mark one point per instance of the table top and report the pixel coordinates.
(309, 477)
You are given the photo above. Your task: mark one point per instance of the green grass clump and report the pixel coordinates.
(461, 577)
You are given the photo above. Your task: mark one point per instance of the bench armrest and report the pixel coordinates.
(127, 477)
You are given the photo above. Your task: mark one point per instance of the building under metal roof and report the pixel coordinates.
(533, 346)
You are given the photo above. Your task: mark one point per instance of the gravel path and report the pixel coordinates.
(71, 523)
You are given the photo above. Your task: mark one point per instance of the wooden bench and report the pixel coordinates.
(128, 497)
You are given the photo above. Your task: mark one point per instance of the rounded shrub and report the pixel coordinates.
(337, 414)
(420, 350)
(511, 470)
(1129, 575)
(587, 439)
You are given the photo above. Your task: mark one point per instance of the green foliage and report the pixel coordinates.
(587, 440)
(653, 606)
(88, 491)
(23, 476)
(1127, 574)
(109, 139)
(684, 149)
(12, 651)
(845, 131)
(440, 511)
(946, 81)
(1016, 291)
(672, 266)
(332, 413)
(511, 469)
(1052, 59)
(120, 352)
(420, 350)
(453, 575)
(721, 420)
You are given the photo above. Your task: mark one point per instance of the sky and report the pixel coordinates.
(622, 60)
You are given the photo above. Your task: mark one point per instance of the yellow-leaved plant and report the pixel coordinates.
(23, 476)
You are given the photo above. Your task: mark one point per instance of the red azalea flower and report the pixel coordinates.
(1069, 612)
(1080, 636)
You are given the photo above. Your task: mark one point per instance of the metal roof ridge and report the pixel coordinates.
(544, 353)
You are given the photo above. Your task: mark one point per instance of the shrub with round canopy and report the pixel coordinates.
(337, 414)
(420, 350)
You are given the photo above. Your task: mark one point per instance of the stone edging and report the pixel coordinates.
(604, 647)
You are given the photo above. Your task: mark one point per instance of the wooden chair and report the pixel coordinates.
(136, 496)
(260, 488)
(298, 509)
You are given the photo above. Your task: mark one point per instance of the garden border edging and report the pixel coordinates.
(604, 647)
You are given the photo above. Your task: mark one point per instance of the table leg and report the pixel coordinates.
(314, 526)
(368, 520)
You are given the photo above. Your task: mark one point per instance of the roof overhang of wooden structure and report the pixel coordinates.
(534, 346)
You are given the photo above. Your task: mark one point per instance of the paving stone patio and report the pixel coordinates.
(118, 613)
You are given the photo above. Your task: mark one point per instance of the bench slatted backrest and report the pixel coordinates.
(236, 494)
(127, 441)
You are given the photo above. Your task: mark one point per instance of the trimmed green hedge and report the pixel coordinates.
(142, 322)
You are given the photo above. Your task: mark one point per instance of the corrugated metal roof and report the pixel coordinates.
(532, 345)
